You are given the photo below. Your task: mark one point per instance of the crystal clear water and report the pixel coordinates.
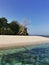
(29, 55)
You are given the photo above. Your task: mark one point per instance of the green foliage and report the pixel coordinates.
(13, 28)
(3, 22)
(9, 31)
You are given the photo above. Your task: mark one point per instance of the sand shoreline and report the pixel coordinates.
(19, 41)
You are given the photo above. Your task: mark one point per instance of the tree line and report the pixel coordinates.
(12, 28)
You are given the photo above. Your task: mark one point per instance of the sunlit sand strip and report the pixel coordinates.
(19, 41)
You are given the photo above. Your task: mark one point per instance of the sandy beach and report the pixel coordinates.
(18, 41)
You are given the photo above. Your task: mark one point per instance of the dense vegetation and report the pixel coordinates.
(12, 28)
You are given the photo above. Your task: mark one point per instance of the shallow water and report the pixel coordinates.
(29, 55)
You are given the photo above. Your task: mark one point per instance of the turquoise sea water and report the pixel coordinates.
(28, 55)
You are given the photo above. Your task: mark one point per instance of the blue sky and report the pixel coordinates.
(36, 12)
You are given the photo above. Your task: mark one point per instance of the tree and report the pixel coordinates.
(3, 24)
(22, 30)
(14, 26)
(26, 23)
(3, 21)
(9, 31)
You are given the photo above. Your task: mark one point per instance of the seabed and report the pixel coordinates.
(31, 55)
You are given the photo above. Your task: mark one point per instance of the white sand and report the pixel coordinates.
(16, 41)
